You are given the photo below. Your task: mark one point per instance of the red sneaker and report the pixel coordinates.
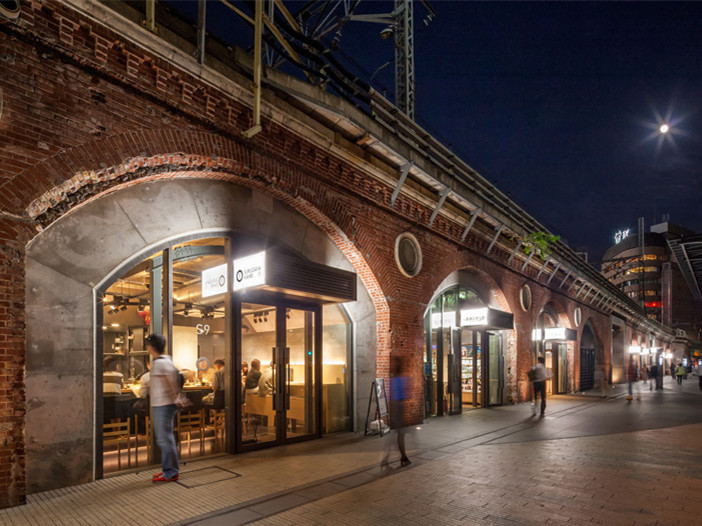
(161, 478)
(158, 474)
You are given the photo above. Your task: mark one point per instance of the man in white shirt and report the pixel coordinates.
(163, 391)
(541, 374)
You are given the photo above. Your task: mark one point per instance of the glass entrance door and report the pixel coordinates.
(278, 352)
(495, 367)
(562, 368)
(550, 364)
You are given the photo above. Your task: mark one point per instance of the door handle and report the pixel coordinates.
(274, 384)
(287, 391)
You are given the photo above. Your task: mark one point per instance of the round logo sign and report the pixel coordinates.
(221, 280)
(239, 275)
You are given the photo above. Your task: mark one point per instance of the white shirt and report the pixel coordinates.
(164, 382)
(141, 389)
(541, 373)
(112, 382)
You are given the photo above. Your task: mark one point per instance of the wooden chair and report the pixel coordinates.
(190, 423)
(147, 436)
(117, 433)
(218, 424)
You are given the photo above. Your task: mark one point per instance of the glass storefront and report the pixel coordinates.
(291, 359)
(550, 343)
(463, 362)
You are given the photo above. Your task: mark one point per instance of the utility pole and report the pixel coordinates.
(404, 56)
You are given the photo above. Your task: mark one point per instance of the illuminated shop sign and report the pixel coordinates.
(554, 333)
(449, 320)
(478, 317)
(214, 281)
(643, 351)
(471, 317)
(250, 271)
(622, 234)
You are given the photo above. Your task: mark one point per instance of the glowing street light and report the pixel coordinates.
(664, 128)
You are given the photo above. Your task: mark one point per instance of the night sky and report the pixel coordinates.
(557, 103)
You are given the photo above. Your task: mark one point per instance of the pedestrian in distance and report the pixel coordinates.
(631, 378)
(539, 376)
(645, 374)
(164, 390)
(680, 373)
(653, 375)
(699, 373)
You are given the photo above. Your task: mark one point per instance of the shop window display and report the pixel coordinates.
(298, 351)
(133, 307)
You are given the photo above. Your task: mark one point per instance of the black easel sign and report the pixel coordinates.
(378, 394)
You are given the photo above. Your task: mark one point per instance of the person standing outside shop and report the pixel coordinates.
(653, 375)
(644, 374)
(680, 373)
(699, 373)
(163, 391)
(631, 378)
(541, 375)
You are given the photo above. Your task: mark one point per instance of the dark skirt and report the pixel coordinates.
(219, 400)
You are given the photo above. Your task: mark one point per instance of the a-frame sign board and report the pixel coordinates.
(378, 394)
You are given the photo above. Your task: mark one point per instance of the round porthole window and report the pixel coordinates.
(10, 9)
(525, 297)
(408, 254)
(578, 316)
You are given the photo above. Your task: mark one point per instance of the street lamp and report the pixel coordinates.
(664, 128)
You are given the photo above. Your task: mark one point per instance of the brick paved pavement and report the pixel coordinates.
(589, 461)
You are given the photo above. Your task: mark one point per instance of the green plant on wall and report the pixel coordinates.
(540, 243)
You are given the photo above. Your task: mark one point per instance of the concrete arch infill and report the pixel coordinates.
(70, 257)
(484, 285)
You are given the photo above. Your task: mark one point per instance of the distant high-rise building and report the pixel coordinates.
(646, 270)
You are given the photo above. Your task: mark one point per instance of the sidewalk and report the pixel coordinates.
(234, 489)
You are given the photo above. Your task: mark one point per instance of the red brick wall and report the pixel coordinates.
(12, 359)
(86, 112)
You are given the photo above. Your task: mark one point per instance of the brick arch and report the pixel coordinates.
(597, 338)
(465, 266)
(468, 263)
(559, 311)
(151, 155)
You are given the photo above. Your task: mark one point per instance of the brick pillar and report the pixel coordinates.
(12, 360)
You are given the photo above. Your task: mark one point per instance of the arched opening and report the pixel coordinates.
(551, 340)
(103, 263)
(465, 340)
(588, 358)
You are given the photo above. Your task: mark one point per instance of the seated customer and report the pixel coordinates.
(251, 384)
(111, 377)
(265, 384)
